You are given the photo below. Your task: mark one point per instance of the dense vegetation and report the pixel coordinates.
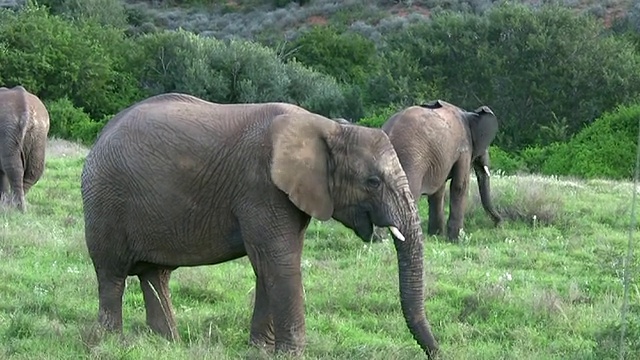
(546, 285)
(550, 73)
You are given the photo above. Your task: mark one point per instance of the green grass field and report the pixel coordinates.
(547, 285)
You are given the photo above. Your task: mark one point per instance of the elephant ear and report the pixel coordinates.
(435, 104)
(483, 124)
(299, 163)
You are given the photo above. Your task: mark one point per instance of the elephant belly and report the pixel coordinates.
(188, 248)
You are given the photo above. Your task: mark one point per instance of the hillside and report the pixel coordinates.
(256, 19)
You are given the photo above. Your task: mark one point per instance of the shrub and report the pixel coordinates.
(532, 66)
(606, 148)
(237, 71)
(54, 58)
(379, 117)
(315, 91)
(71, 123)
(104, 12)
(347, 56)
(505, 162)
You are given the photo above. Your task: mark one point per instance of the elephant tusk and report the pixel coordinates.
(396, 233)
(486, 170)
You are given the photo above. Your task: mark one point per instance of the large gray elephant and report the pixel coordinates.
(437, 142)
(178, 181)
(24, 126)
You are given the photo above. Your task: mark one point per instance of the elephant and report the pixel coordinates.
(342, 121)
(175, 180)
(24, 127)
(436, 142)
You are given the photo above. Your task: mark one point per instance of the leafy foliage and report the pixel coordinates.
(70, 122)
(606, 148)
(237, 71)
(55, 58)
(526, 64)
(105, 12)
(546, 71)
(347, 56)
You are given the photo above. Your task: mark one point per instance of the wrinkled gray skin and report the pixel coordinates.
(24, 126)
(342, 121)
(177, 181)
(437, 142)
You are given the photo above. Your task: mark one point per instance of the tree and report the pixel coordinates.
(530, 66)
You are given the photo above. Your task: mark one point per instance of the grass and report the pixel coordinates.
(549, 288)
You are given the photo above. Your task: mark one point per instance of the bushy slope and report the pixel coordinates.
(256, 19)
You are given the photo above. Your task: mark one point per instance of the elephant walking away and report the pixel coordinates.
(437, 142)
(178, 181)
(24, 127)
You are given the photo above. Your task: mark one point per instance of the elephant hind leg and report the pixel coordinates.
(4, 187)
(436, 212)
(157, 300)
(14, 169)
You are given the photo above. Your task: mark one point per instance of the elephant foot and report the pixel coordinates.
(435, 231)
(19, 204)
(262, 342)
(453, 235)
(289, 349)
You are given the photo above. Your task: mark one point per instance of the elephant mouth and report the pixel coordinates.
(362, 222)
(364, 227)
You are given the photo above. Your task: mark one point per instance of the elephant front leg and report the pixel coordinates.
(278, 266)
(436, 212)
(262, 335)
(457, 202)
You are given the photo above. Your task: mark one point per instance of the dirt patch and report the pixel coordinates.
(317, 20)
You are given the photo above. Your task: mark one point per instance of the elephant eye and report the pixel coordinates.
(374, 182)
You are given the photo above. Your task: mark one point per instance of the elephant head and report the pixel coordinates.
(352, 174)
(483, 126)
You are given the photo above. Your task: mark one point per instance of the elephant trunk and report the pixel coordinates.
(411, 275)
(484, 187)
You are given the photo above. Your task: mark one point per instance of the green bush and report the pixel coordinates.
(535, 67)
(55, 58)
(71, 123)
(505, 162)
(315, 91)
(104, 12)
(232, 72)
(349, 57)
(604, 149)
(379, 117)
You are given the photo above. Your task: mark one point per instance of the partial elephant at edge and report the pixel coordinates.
(24, 127)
